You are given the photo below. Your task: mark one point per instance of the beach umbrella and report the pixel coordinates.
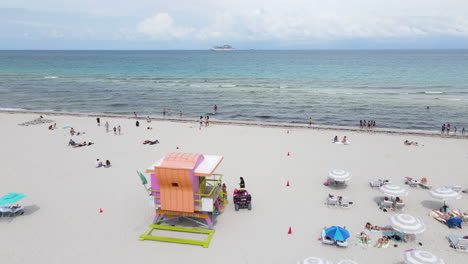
(337, 233)
(339, 175)
(314, 260)
(347, 261)
(445, 193)
(422, 257)
(407, 224)
(144, 181)
(393, 190)
(11, 198)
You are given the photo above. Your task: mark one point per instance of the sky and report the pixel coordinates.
(244, 24)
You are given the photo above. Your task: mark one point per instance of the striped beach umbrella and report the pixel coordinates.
(314, 260)
(444, 194)
(407, 224)
(393, 190)
(422, 257)
(339, 175)
(347, 261)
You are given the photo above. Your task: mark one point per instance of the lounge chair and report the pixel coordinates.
(345, 202)
(425, 185)
(459, 243)
(11, 211)
(399, 206)
(342, 243)
(331, 201)
(378, 183)
(458, 213)
(385, 204)
(327, 240)
(439, 216)
(412, 182)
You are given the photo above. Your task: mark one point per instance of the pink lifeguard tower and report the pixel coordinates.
(185, 186)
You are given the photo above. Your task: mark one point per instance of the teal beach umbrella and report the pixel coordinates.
(11, 198)
(337, 233)
(143, 181)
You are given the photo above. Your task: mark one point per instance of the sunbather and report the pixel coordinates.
(71, 143)
(382, 241)
(364, 237)
(369, 226)
(81, 145)
(149, 142)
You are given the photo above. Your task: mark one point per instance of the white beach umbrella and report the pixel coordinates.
(339, 175)
(393, 190)
(422, 257)
(407, 224)
(347, 261)
(445, 193)
(314, 260)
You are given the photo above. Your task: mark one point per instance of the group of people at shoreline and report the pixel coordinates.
(367, 124)
(447, 128)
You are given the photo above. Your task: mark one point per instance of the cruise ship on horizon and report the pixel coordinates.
(224, 47)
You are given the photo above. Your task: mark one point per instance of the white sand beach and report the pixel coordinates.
(62, 223)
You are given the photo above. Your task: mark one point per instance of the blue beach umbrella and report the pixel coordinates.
(11, 198)
(337, 233)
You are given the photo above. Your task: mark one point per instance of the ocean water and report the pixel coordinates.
(333, 87)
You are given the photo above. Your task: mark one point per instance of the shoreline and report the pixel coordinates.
(393, 131)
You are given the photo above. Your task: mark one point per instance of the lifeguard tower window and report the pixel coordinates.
(175, 184)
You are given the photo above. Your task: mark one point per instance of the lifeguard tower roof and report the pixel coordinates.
(189, 161)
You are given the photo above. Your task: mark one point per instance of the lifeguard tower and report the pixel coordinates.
(184, 186)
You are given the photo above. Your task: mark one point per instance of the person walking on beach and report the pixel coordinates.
(455, 131)
(201, 120)
(119, 129)
(448, 129)
(242, 183)
(148, 119)
(224, 189)
(107, 127)
(207, 121)
(135, 114)
(137, 123)
(463, 131)
(310, 121)
(443, 129)
(360, 123)
(215, 108)
(115, 131)
(98, 120)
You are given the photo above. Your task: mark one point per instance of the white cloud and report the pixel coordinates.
(161, 26)
(280, 25)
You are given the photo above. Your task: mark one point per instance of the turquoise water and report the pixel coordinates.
(333, 87)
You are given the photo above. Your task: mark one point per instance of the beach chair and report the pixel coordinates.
(459, 243)
(376, 183)
(458, 213)
(400, 206)
(327, 240)
(425, 185)
(331, 201)
(345, 202)
(342, 243)
(386, 204)
(412, 182)
(439, 216)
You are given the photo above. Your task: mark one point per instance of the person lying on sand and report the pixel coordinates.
(71, 142)
(382, 241)
(369, 226)
(149, 142)
(83, 144)
(364, 237)
(410, 143)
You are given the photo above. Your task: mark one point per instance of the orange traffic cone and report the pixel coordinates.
(289, 231)
(287, 184)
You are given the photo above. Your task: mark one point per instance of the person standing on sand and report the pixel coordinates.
(455, 131)
(98, 120)
(224, 189)
(360, 123)
(463, 131)
(443, 129)
(115, 131)
(448, 129)
(137, 123)
(107, 127)
(119, 129)
(242, 183)
(134, 113)
(148, 119)
(310, 121)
